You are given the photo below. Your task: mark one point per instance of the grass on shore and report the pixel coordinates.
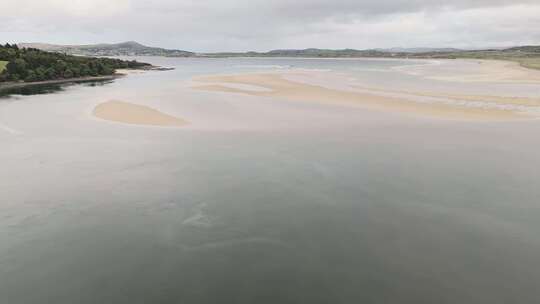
(531, 63)
(3, 65)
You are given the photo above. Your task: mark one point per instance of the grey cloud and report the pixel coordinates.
(261, 24)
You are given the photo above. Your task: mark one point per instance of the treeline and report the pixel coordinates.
(28, 64)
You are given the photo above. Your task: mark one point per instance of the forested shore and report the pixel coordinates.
(32, 65)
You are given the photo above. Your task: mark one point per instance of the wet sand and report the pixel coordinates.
(129, 113)
(277, 85)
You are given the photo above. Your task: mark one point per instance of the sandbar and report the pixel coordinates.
(278, 86)
(130, 113)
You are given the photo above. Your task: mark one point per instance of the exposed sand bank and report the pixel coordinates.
(129, 113)
(278, 86)
(502, 100)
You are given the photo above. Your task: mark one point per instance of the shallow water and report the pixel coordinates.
(265, 201)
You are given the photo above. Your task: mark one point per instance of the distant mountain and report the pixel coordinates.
(130, 48)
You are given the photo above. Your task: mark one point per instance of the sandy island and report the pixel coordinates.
(129, 113)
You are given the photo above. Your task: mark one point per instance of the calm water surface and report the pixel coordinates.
(265, 201)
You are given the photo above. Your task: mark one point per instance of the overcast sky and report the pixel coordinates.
(239, 25)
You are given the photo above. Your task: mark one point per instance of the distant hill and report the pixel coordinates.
(130, 48)
(419, 50)
(320, 53)
(526, 49)
(324, 53)
(528, 56)
(329, 53)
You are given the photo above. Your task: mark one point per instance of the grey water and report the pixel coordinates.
(38, 89)
(264, 201)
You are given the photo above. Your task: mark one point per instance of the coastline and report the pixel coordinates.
(119, 73)
(13, 85)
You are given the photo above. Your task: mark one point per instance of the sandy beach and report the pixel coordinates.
(129, 113)
(279, 85)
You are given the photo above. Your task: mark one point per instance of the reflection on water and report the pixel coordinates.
(263, 201)
(38, 89)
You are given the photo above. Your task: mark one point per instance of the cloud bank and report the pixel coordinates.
(239, 25)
